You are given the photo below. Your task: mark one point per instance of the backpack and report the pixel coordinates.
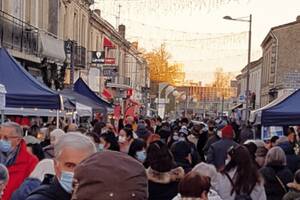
(240, 196)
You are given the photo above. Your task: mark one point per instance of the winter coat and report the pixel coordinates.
(211, 140)
(274, 190)
(294, 192)
(26, 188)
(19, 170)
(217, 152)
(164, 186)
(292, 160)
(223, 188)
(52, 191)
(49, 151)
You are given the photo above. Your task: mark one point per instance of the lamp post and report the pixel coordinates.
(249, 20)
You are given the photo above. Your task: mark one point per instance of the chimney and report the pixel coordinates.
(97, 12)
(298, 18)
(122, 30)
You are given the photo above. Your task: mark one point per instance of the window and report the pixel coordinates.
(83, 33)
(75, 26)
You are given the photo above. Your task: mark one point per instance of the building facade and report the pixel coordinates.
(281, 62)
(254, 83)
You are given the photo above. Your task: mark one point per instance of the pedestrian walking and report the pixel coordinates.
(276, 174)
(294, 188)
(240, 179)
(15, 157)
(69, 151)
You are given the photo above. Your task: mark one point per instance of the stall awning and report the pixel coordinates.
(256, 115)
(52, 48)
(23, 90)
(284, 113)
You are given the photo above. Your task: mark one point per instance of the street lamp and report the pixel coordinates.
(249, 20)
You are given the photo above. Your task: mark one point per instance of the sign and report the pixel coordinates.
(110, 61)
(270, 131)
(98, 57)
(110, 71)
(2, 97)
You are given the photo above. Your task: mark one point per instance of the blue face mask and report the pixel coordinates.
(66, 181)
(141, 156)
(5, 146)
(101, 147)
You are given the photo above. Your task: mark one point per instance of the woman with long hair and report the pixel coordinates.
(240, 177)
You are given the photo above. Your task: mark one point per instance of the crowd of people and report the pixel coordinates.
(147, 158)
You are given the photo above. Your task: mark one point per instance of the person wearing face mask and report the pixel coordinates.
(125, 139)
(214, 135)
(69, 151)
(137, 150)
(14, 155)
(108, 141)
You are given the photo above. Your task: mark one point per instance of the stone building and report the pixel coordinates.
(281, 61)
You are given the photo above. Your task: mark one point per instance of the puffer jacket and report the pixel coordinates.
(212, 195)
(274, 190)
(26, 188)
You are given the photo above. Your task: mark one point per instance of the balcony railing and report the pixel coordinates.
(80, 56)
(18, 35)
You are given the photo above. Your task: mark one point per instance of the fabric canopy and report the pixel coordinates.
(82, 88)
(255, 115)
(78, 98)
(285, 113)
(23, 90)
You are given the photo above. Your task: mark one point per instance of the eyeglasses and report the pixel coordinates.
(6, 138)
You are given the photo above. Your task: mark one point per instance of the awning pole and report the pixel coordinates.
(57, 118)
(2, 116)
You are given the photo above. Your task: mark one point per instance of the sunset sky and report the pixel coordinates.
(196, 33)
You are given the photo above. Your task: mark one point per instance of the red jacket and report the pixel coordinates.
(19, 171)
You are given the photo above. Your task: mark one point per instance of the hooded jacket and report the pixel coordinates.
(52, 191)
(19, 170)
(274, 190)
(164, 186)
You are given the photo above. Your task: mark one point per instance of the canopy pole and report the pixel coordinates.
(57, 118)
(2, 116)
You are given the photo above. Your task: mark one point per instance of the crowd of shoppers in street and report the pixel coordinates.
(147, 158)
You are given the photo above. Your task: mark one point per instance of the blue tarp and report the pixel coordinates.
(23, 90)
(82, 88)
(72, 95)
(285, 113)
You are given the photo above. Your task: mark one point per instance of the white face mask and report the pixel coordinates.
(219, 133)
(122, 139)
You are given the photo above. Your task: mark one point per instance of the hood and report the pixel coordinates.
(175, 175)
(287, 148)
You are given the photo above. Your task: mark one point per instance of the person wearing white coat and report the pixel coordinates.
(240, 177)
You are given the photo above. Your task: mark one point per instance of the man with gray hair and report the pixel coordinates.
(14, 155)
(69, 151)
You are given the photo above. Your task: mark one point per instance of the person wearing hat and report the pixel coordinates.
(217, 152)
(182, 155)
(69, 151)
(120, 177)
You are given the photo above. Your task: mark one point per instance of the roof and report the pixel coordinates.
(23, 90)
(253, 64)
(278, 27)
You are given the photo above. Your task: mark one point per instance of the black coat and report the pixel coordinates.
(293, 160)
(53, 191)
(273, 188)
(159, 191)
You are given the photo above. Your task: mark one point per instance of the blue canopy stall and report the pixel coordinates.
(285, 113)
(23, 90)
(82, 88)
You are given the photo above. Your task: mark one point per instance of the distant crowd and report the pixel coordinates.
(147, 158)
